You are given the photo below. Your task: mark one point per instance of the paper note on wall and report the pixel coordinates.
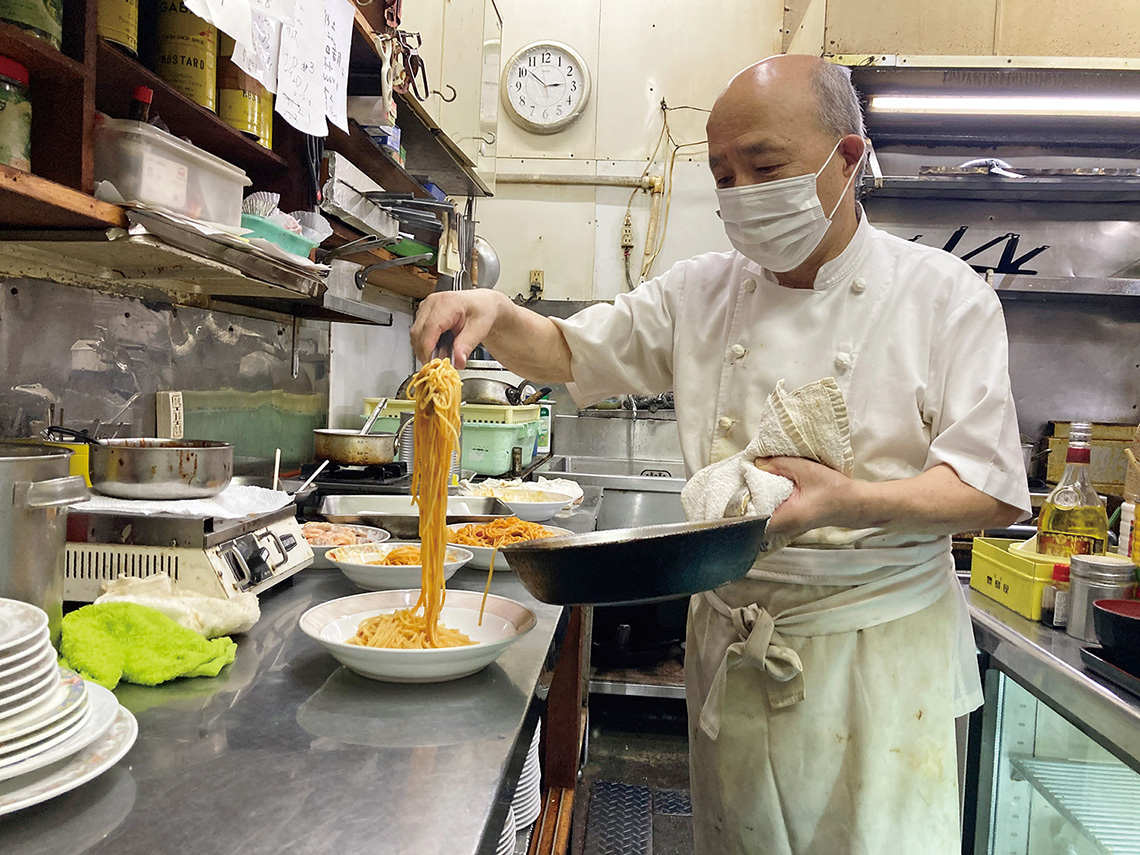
(259, 60)
(232, 17)
(284, 11)
(338, 43)
(300, 70)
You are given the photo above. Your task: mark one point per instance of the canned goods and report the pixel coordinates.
(187, 56)
(239, 97)
(42, 18)
(119, 23)
(265, 123)
(15, 116)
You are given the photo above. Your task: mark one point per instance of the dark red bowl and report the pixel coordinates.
(1117, 624)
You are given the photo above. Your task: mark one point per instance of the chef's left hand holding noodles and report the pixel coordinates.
(436, 389)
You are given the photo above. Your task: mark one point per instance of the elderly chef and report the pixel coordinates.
(822, 688)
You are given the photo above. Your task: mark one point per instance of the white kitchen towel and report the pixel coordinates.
(208, 616)
(235, 502)
(809, 422)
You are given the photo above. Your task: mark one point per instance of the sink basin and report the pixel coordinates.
(636, 492)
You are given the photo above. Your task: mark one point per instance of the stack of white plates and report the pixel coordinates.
(49, 714)
(527, 803)
(509, 835)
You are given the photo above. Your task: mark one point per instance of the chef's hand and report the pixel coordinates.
(468, 314)
(817, 500)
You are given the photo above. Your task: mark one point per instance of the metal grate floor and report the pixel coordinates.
(1100, 799)
(620, 817)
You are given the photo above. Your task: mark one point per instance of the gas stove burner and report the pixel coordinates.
(335, 473)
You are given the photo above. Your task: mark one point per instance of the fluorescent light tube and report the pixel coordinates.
(1008, 105)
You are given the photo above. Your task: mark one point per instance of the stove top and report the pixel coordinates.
(386, 478)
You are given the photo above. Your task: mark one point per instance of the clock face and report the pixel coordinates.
(545, 87)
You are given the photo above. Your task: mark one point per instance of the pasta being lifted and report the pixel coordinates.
(436, 389)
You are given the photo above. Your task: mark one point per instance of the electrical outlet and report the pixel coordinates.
(627, 233)
(536, 280)
(168, 407)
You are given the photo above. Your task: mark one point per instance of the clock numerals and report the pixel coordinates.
(546, 87)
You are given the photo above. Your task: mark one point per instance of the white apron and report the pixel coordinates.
(821, 715)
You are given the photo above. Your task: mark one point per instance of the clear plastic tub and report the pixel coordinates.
(156, 168)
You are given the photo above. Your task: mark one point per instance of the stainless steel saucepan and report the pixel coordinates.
(351, 448)
(160, 469)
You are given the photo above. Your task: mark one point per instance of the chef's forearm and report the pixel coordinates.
(935, 502)
(529, 344)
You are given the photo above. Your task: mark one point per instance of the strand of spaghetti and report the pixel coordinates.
(487, 588)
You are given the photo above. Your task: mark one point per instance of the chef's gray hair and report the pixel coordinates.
(837, 106)
(837, 101)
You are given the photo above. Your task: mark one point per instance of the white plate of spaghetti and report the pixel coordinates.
(335, 623)
(391, 565)
(481, 539)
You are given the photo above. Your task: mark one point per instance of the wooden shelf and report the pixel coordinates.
(117, 76)
(406, 281)
(39, 57)
(372, 160)
(430, 151)
(29, 201)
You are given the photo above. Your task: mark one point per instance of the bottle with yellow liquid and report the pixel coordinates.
(1073, 519)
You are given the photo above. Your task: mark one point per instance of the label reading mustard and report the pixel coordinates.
(187, 56)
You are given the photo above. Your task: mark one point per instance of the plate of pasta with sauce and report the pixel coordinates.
(423, 634)
(356, 630)
(484, 540)
(391, 565)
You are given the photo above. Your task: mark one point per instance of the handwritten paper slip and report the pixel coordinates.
(284, 11)
(300, 70)
(259, 59)
(338, 42)
(232, 17)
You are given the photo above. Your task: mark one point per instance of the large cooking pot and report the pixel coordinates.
(351, 448)
(161, 469)
(35, 491)
(480, 390)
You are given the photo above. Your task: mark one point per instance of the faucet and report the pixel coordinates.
(632, 405)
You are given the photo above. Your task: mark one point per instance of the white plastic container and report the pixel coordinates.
(156, 168)
(1129, 543)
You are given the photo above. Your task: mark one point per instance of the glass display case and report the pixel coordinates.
(1057, 751)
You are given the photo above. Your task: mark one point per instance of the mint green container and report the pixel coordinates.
(486, 448)
(270, 231)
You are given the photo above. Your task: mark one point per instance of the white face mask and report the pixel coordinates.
(778, 224)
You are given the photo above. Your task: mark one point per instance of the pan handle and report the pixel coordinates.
(56, 493)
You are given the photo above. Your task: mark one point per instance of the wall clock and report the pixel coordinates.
(545, 87)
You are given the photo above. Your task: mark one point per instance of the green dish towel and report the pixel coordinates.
(108, 642)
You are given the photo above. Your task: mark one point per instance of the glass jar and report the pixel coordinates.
(1092, 578)
(15, 116)
(42, 18)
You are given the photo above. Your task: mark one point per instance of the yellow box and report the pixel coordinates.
(1014, 581)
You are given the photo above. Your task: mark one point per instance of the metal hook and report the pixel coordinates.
(363, 273)
(447, 100)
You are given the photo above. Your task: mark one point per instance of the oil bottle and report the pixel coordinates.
(1073, 519)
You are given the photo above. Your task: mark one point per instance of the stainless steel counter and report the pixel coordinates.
(286, 751)
(1048, 664)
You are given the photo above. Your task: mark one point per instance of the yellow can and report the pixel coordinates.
(119, 23)
(187, 56)
(239, 99)
(265, 125)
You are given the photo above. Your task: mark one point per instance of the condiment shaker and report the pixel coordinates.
(1092, 578)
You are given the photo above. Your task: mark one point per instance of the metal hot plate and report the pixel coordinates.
(113, 528)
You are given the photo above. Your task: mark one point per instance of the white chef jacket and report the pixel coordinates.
(915, 339)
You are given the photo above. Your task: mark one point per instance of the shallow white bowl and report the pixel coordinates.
(481, 555)
(539, 505)
(373, 535)
(384, 577)
(334, 622)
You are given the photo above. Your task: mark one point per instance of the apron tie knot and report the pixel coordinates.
(761, 647)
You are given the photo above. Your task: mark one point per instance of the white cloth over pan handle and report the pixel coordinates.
(761, 635)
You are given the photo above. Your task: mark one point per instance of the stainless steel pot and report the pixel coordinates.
(161, 469)
(479, 390)
(35, 491)
(350, 448)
